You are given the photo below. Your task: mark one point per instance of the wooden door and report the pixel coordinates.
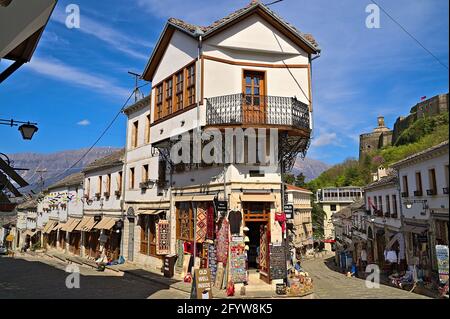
(254, 97)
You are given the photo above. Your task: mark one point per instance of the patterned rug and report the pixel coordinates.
(162, 237)
(201, 224)
(238, 270)
(210, 223)
(263, 249)
(222, 242)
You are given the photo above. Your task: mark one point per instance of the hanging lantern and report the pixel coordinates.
(27, 131)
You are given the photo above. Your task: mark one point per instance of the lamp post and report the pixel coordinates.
(27, 129)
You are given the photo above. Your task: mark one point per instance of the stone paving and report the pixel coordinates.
(330, 284)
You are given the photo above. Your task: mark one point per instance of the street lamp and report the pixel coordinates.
(27, 129)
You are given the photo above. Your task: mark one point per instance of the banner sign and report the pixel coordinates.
(442, 261)
(201, 285)
(289, 211)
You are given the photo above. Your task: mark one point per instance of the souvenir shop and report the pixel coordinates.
(419, 250)
(50, 235)
(233, 244)
(74, 236)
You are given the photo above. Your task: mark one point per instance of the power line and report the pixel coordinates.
(410, 35)
(102, 134)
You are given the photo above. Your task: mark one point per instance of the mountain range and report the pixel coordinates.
(44, 170)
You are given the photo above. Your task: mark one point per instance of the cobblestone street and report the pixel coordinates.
(329, 284)
(32, 278)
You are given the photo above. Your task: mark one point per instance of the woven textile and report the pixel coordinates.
(180, 253)
(212, 260)
(238, 262)
(201, 224)
(263, 249)
(184, 224)
(162, 237)
(222, 242)
(210, 223)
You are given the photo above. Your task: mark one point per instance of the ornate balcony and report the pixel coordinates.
(241, 109)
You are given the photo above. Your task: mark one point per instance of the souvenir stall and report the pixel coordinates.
(196, 227)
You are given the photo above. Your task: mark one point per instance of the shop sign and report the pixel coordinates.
(289, 211)
(202, 285)
(422, 238)
(222, 206)
(442, 261)
(278, 269)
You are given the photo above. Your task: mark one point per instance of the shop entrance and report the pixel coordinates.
(256, 218)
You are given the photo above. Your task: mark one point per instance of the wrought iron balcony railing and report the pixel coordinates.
(257, 109)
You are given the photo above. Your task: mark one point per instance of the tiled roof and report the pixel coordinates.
(28, 204)
(192, 28)
(113, 159)
(145, 102)
(424, 152)
(296, 188)
(389, 179)
(347, 211)
(71, 180)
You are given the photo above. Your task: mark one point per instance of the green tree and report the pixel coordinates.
(289, 179)
(300, 180)
(318, 220)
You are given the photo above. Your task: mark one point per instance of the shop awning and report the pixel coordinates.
(106, 223)
(203, 198)
(151, 212)
(58, 227)
(71, 224)
(47, 226)
(195, 198)
(257, 198)
(83, 222)
(415, 229)
(89, 224)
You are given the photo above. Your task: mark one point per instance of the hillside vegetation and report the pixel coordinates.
(422, 134)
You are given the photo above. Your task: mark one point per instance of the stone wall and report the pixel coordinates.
(431, 107)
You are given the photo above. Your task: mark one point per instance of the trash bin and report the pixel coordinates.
(169, 265)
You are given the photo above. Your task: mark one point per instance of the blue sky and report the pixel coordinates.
(77, 79)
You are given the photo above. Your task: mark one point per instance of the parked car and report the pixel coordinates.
(3, 250)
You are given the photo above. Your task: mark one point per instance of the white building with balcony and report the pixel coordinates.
(60, 209)
(332, 200)
(145, 188)
(102, 224)
(382, 202)
(250, 70)
(424, 182)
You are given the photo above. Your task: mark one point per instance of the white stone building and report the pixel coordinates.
(332, 200)
(424, 182)
(300, 198)
(250, 69)
(60, 208)
(103, 211)
(382, 200)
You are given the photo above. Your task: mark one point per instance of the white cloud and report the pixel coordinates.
(56, 69)
(84, 123)
(125, 43)
(325, 139)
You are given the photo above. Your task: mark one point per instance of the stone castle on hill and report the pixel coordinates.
(382, 136)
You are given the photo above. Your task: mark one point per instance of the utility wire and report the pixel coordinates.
(102, 134)
(411, 36)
